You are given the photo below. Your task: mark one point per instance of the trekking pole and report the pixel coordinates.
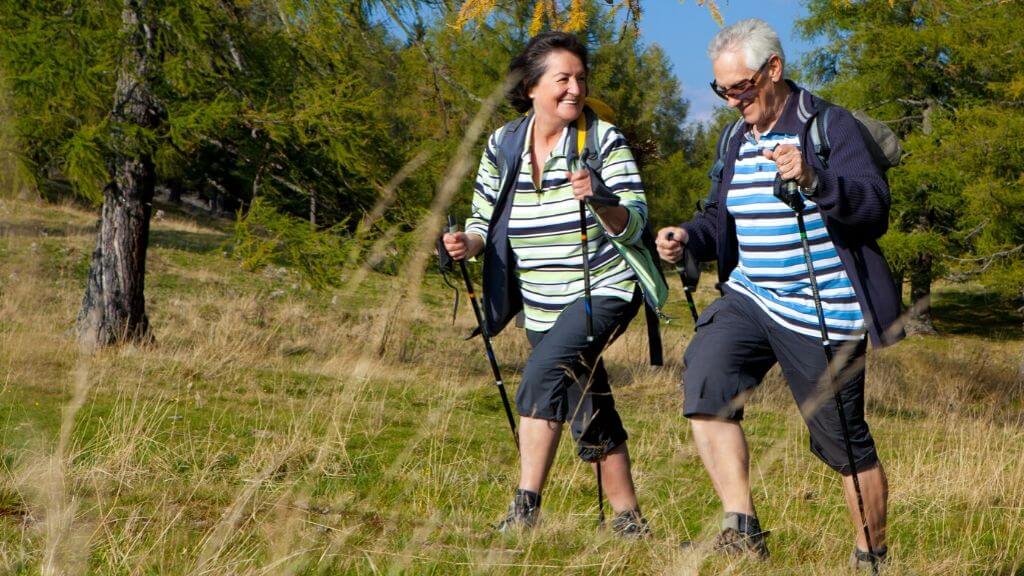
(787, 192)
(590, 332)
(590, 336)
(689, 273)
(586, 272)
(452, 227)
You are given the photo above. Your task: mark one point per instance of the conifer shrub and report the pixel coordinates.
(263, 236)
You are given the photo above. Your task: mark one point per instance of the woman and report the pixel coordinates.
(564, 378)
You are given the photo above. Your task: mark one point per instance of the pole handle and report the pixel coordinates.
(688, 268)
(788, 193)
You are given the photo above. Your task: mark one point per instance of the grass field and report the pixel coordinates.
(274, 430)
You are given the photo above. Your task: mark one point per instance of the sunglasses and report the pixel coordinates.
(744, 89)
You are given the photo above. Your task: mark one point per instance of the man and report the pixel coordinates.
(767, 313)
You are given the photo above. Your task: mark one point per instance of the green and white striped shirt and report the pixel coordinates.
(544, 225)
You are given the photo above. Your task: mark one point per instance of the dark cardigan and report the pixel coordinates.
(853, 197)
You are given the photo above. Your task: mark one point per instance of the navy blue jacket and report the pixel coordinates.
(853, 198)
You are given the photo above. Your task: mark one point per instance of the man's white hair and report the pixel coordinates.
(755, 38)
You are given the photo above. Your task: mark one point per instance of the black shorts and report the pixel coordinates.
(737, 343)
(558, 383)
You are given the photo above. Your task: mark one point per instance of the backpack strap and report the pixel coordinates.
(509, 143)
(583, 133)
(588, 146)
(651, 315)
(814, 117)
(582, 122)
(654, 346)
(591, 144)
(819, 133)
(723, 144)
(718, 168)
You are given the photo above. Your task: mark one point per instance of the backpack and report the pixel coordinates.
(640, 259)
(883, 144)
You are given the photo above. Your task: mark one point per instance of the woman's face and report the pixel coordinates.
(558, 95)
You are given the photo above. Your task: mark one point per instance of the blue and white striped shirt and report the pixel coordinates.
(772, 270)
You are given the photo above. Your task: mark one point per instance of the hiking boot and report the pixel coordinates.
(630, 525)
(732, 541)
(522, 513)
(861, 559)
(741, 534)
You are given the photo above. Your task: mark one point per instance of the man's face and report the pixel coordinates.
(731, 70)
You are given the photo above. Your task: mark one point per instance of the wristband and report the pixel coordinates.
(810, 190)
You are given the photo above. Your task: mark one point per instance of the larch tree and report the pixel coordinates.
(114, 306)
(262, 99)
(947, 76)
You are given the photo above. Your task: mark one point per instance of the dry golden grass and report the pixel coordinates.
(264, 433)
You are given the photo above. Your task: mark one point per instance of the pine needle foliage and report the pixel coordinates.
(946, 74)
(59, 63)
(263, 237)
(256, 97)
(569, 15)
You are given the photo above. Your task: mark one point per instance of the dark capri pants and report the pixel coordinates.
(737, 343)
(558, 383)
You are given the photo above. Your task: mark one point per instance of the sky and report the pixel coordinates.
(684, 28)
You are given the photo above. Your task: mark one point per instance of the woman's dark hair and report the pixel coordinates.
(530, 63)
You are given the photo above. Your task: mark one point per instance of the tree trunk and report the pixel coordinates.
(174, 194)
(899, 277)
(920, 271)
(114, 305)
(1020, 373)
(312, 208)
(921, 291)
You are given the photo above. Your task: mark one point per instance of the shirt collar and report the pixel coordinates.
(559, 149)
(789, 121)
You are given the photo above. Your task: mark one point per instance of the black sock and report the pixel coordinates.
(878, 553)
(742, 523)
(527, 499)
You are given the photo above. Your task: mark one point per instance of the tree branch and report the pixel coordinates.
(438, 72)
(988, 261)
(978, 228)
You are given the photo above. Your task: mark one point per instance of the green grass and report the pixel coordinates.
(263, 433)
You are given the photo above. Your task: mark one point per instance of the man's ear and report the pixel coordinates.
(777, 68)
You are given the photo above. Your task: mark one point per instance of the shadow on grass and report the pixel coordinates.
(195, 242)
(36, 228)
(974, 313)
(880, 408)
(185, 211)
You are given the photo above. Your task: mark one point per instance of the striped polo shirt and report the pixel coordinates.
(544, 225)
(772, 270)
